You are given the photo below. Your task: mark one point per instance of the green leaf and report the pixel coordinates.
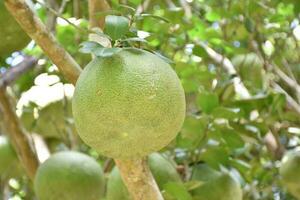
(207, 101)
(155, 17)
(212, 16)
(134, 39)
(177, 191)
(199, 51)
(116, 26)
(106, 52)
(89, 46)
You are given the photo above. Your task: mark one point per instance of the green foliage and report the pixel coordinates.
(222, 128)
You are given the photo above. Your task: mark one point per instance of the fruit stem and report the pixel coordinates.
(139, 180)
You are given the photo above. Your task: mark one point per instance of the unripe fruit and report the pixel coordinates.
(216, 185)
(128, 105)
(69, 176)
(12, 37)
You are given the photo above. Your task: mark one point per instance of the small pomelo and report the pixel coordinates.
(12, 37)
(69, 175)
(289, 171)
(128, 105)
(215, 185)
(162, 169)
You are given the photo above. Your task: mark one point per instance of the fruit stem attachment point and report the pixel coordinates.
(139, 180)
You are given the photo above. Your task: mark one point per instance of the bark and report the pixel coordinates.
(228, 66)
(138, 179)
(51, 17)
(13, 73)
(95, 9)
(19, 139)
(39, 33)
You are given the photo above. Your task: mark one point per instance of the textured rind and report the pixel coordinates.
(162, 169)
(69, 176)
(128, 105)
(216, 185)
(289, 171)
(12, 37)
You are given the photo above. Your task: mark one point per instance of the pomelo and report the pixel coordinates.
(12, 37)
(162, 168)
(289, 171)
(215, 185)
(69, 175)
(128, 105)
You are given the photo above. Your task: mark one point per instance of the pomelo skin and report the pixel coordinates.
(216, 185)
(128, 105)
(12, 37)
(69, 175)
(162, 169)
(289, 171)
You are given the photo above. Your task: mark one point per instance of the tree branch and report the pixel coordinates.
(138, 179)
(289, 81)
(228, 66)
(95, 8)
(291, 102)
(38, 32)
(18, 137)
(13, 73)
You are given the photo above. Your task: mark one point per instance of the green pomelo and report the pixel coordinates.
(215, 185)
(69, 176)
(12, 37)
(9, 163)
(128, 105)
(289, 171)
(163, 170)
(250, 68)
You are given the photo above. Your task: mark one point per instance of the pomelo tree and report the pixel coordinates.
(149, 100)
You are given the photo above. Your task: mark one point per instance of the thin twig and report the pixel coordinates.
(226, 63)
(13, 73)
(97, 6)
(291, 102)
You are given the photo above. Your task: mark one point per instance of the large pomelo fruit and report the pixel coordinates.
(128, 105)
(69, 175)
(12, 37)
(289, 171)
(215, 185)
(162, 168)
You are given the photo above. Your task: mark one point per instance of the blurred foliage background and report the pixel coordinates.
(238, 61)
